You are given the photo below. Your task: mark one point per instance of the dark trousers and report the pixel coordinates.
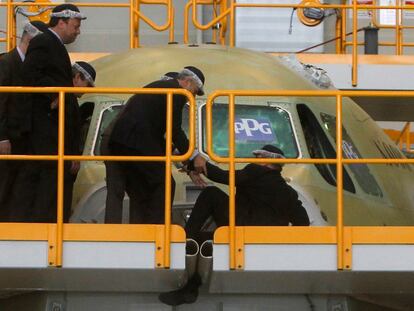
(116, 186)
(145, 183)
(41, 206)
(211, 202)
(11, 176)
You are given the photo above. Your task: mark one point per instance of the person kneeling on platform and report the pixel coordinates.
(263, 198)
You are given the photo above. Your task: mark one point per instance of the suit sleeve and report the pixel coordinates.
(4, 80)
(242, 176)
(35, 65)
(179, 138)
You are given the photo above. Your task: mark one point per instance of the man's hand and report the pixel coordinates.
(197, 179)
(200, 164)
(74, 169)
(54, 104)
(5, 147)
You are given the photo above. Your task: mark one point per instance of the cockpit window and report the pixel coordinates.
(254, 127)
(107, 115)
(361, 171)
(319, 147)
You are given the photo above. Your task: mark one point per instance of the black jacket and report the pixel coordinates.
(47, 63)
(15, 109)
(263, 198)
(142, 124)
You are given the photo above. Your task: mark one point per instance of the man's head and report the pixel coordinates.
(270, 152)
(31, 30)
(192, 79)
(66, 21)
(83, 75)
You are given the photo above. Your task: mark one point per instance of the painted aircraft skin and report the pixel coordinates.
(375, 194)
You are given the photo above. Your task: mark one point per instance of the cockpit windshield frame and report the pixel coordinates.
(110, 103)
(201, 127)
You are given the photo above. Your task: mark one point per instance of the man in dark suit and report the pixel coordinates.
(47, 63)
(15, 121)
(263, 198)
(116, 183)
(83, 75)
(140, 131)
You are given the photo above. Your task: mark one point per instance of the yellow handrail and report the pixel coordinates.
(168, 24)
(134, 16)
(341, 235)
(190, 4)
(163, 253)
(343, 261)
(405, 132)
(339, 185)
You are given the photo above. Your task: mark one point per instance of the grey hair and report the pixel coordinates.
(184, 75)
(188, 73)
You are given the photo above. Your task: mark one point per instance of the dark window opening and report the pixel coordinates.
(319, 147)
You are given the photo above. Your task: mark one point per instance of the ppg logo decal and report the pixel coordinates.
(253, 130)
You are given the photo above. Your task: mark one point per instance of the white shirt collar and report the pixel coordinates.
(60, 39)
(21, 54)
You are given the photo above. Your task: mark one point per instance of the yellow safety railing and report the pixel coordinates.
(134, 9)
(137, 15)
(218, 24)
(342, 236)
(237, 237)
(160, 234)
(405, 136)
(229, 11)
(399, 26)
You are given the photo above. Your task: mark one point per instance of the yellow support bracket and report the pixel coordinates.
(239, 248)
(347, 250)
(51, 242)
(159, 247)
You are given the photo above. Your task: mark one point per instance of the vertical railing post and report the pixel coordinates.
(131, 24)
(168, 144)
(339, 184)
(224, 23)
(408, 138)
(398, 29)
(232, 23)
(343, 34)
(338, 34)
(186, 23)
(61, 162)
(137, 6)
(172, 21)
(232, 209)
(355, 43)
(9, 25)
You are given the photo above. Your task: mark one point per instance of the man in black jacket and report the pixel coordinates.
(47, 63)
(83, 75)
(263, 198)
(15, 121)
(116, 182)
(140, 131)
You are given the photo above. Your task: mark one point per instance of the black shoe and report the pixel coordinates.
(187, 294)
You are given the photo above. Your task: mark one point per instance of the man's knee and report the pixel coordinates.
(211, 191)
(212, 195)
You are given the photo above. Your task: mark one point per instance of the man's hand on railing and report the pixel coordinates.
(197, 179)
(5, 147)
(200, 164)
